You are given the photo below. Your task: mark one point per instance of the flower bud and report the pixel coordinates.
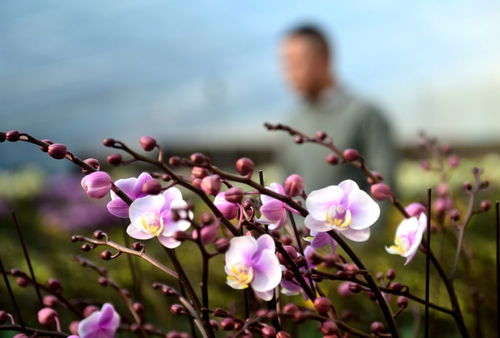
(454, 215)
(97, 184)
(443, 189)
(108, 142)
(73, 327)
(211, 184)
(485, 205)
(12, 135)
(244, 166)
(391, 274)
(20, 335)
(425, 165)
(54, 285)
(114, 159)
(105, 255)
(441, 204)
(177, 309)
(89, 309)
(208, 233)
(222, 245)
(22, 281)
(268, 331)
(415, 209)
(198, 158)
(283, 334)
(298, 140)
(354, 288)
(147, 143)
(199, 172)
(344, 289)
(174, 161)
(50, 300)
(57, 151)
(91, 162)
(453, 161)
(294, 185)
(47, 316)
(137, 246)
(227, 209)
(332, 159)
(402, 301)
(351, 155)
(381, 191)
(290, 308)
(234, 195)
(152, 187)
(322, 304)
(377, 327)
(328, 327)
(320, 135)
(227, 324)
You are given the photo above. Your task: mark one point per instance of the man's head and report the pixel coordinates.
(306, 61)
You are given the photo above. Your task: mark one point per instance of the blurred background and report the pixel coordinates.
(206, 76)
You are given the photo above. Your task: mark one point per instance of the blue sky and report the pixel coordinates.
(71, 70)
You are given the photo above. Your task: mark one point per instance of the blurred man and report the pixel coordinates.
(327, 106)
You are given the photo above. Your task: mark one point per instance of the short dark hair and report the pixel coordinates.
(314, 33)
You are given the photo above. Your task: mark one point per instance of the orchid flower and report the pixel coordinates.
(151, 216)
(408, 237)
(100, 324)
(133, 188)
(228, 209)
(251, 262)
(273, 210)
(344, 208)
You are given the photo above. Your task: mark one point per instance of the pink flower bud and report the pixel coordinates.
(12, 135)
(199, 172)
(244, 166)
(328, 327)
(322, 304)
(20, 335)
(46, 316)
(332, 159)
(425, 165)
(227, 209)
(377, 327)
(234, 195)
(381, 191)
(114, 159)
(50, 300)
(453, 161)
(211, 184)
(441, 204)
(97, 184)
(344, 289)
(57, 151)
(351, 154)
(415, 209)
(73, 327)
(151, 187)
(198, 158)
(485, 205)
(91, 162)
(221, 245)
(147, 143)
(208, 233)
(90, 309)
(294, 185)
(320, 135)
(402, 301)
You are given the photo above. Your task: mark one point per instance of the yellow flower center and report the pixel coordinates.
(401, 245)
(152, 223)
(239, 276)
(338, 217)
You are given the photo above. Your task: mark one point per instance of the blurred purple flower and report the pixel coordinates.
(273, 210)
(100, 324)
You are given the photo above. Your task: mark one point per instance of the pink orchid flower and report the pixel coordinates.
(133, 188)
(151, 216)
(273, 210)
(408, 237)
(344, 208)
(251, 262)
